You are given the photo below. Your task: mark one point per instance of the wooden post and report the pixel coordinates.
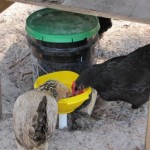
(1, 115)
(147, 140)
(4, 4)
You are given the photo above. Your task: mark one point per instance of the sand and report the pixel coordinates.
(108, 133)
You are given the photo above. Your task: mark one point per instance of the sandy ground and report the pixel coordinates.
(107, 133)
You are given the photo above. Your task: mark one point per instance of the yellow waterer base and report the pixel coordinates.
(66, 105)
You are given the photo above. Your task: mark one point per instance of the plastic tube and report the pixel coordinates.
(62, 121)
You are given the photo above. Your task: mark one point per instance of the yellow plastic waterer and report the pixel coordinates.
(66, 105)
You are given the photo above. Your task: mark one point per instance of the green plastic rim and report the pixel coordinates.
(58, 26)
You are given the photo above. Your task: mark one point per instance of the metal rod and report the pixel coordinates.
(62, 121)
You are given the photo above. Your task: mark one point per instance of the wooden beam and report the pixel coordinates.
(4, 4)
(147, 140)
(131, 10)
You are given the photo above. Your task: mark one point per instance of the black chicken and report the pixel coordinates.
(105, 24)
(125, 78)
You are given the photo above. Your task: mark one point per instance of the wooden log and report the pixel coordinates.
(4, 5)
(147, 140)
(131, 10)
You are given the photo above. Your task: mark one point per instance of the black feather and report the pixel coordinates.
(125, 78)
(105, 24)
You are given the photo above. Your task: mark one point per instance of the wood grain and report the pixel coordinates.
(1, 113)
(147, 140)
(131, 10)
(4, 4)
